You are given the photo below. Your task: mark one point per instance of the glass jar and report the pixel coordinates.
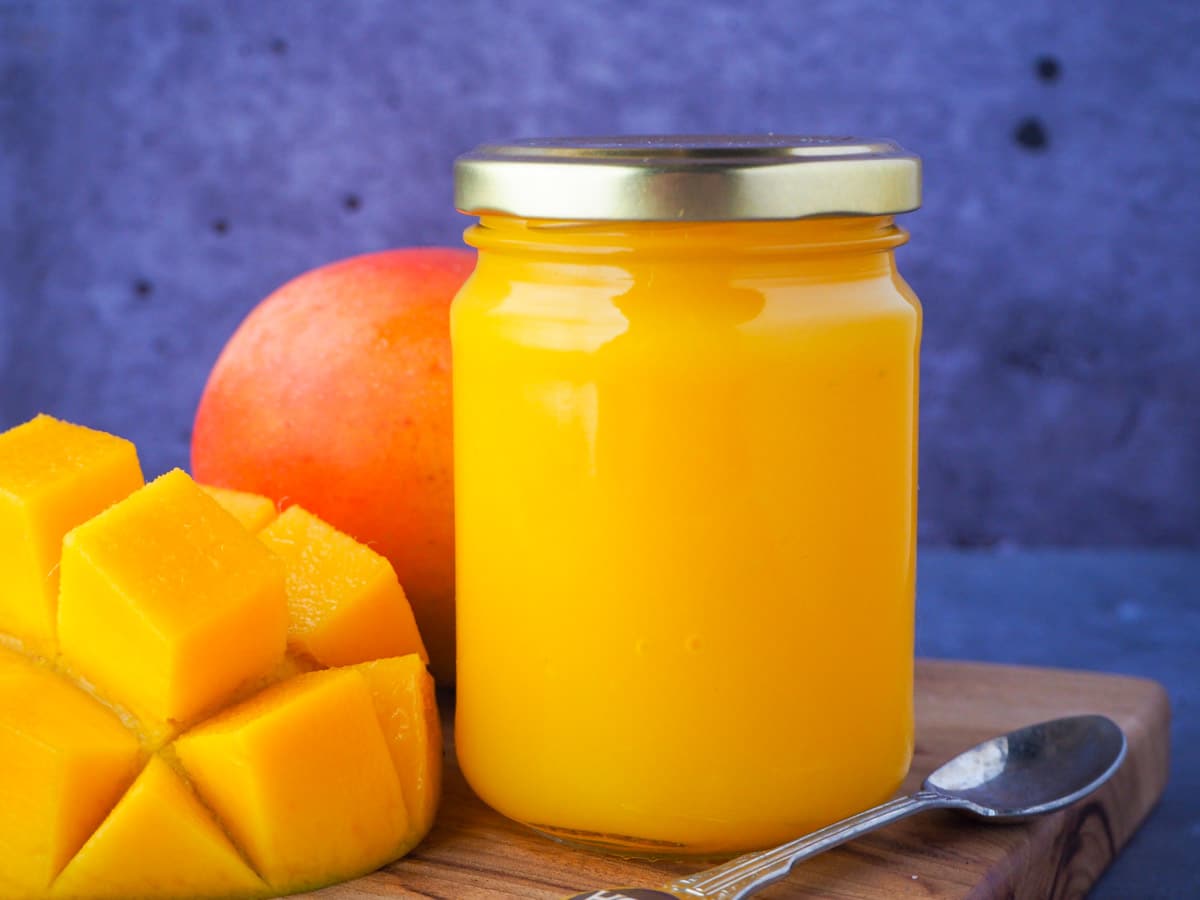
(685, 417)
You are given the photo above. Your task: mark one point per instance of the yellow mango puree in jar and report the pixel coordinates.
(685, 476)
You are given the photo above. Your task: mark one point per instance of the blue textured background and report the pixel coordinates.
(165, 165)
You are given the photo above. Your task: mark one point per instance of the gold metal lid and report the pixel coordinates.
(688, 178)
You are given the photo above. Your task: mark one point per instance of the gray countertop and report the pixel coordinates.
(1123, 611)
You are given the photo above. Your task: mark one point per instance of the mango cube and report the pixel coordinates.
(252, 510)
(180, 850)
(282, 766)
(168, 605)
(53, 476)
(344, 602)
(64, 761)
(406, 705)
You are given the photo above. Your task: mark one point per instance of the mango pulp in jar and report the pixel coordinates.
(685, 501)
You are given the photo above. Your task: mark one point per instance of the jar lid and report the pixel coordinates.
(688, 178)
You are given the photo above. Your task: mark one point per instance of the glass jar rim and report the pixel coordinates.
(688, 178)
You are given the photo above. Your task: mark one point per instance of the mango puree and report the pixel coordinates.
(685, 503)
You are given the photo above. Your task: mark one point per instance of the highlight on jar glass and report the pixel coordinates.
(685, 419)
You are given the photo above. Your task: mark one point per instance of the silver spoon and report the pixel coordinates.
(1027, 772)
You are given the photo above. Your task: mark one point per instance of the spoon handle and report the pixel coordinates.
(742, 876)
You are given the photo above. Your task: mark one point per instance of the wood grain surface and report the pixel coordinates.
(475, 853)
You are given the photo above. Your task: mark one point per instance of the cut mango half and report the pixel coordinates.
(199, 696)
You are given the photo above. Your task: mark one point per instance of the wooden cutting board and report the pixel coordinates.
(475, 853)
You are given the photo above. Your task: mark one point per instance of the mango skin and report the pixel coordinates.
(123, 795)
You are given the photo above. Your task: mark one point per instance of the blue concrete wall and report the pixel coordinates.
(166, 165)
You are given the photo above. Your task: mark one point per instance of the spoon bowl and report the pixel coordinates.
(1033, 770)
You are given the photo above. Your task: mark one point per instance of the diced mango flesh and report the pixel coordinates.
(53, 476)
(253, 510)
(170, 610)
(168, 605)
(278, 803)
(64, 761)
(403, 692)
(178, 848)
(344, 602)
